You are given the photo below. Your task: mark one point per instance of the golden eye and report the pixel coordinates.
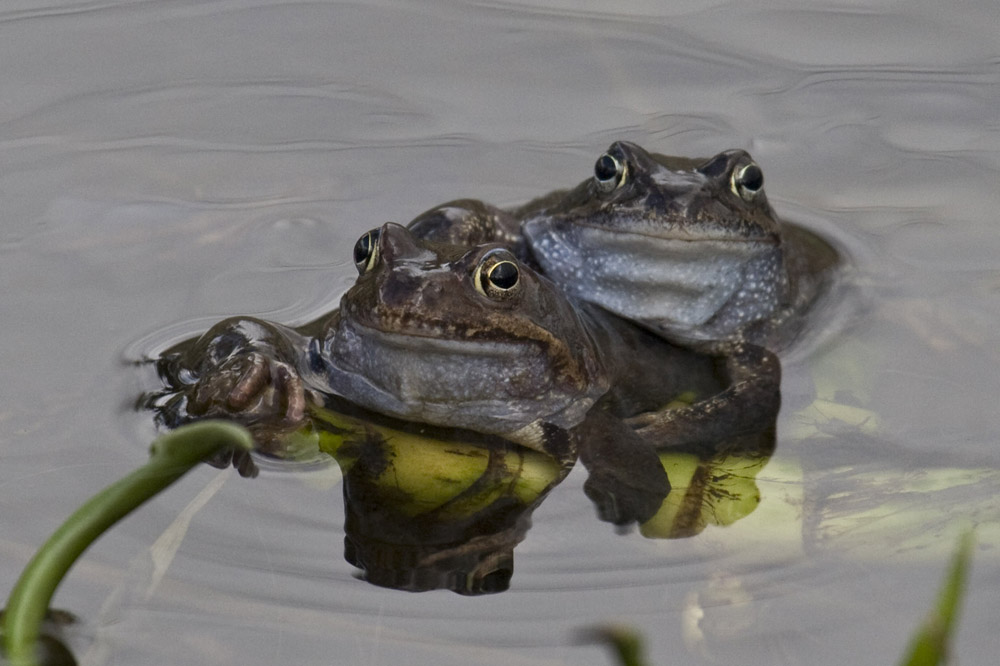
(497, 275)
(609, 173)
(366, 251)
(747, 181)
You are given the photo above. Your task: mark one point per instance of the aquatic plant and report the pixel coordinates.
(171, 456)
(928, 647)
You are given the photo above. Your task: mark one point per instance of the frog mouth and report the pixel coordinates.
(426, 339)
(665, 228)
(488, 386)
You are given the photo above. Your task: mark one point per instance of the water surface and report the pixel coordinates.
(166, 164)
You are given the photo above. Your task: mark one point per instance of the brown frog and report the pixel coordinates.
(467, 338)
(690, 248)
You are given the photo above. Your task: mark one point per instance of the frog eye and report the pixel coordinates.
(366, 251)
(497, 275)
(609, 173)
(747, 181)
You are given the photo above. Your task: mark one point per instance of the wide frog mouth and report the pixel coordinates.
(720, 198)
(672, 227)
(678, 217)
(492, 386)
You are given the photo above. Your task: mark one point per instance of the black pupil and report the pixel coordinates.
(503, 275)
(752, 178)
(363, 248)
(606, 168)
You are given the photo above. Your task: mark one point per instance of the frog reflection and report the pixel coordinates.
(716, 488)
(458, 337)
(433, 509)
(430, 508)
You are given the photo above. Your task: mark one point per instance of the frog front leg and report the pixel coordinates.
(626, 481)
(242, 369)
(748, 403)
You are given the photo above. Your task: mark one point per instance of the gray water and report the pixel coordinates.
(166, 164)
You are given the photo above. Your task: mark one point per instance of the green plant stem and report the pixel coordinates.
(624, 641)
(929, 647)
(172, 455)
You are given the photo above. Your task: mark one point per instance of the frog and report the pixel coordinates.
(471, 222)
(688, 247)
(460, 336)
(465, 337)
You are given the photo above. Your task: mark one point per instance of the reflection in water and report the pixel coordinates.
(243, 115)
(56, 634)
(427, 511)
(473, 338)
(432, 508)
(715, 490)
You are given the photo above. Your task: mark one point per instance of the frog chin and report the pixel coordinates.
(668, 284)
(490, 387)
(516, 420)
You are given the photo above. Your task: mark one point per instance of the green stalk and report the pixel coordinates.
(930, 645)
(623, 641)
(172, 455)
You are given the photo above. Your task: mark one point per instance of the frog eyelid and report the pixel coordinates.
(610, 173)
(497, 275)
(366, 251)
(747, 181)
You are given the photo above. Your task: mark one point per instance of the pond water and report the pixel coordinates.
(166, 164)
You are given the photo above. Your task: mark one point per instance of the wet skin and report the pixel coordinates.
(688, 248)
(716, 272)
(466, 338)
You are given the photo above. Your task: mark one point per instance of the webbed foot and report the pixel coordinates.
(626, 481)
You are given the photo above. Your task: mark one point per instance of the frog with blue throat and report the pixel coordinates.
(462, 337)
(688, 248)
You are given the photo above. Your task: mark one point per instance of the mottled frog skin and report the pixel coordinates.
(460, 337)
(467, 338)
(690, 248)
(451, 324)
